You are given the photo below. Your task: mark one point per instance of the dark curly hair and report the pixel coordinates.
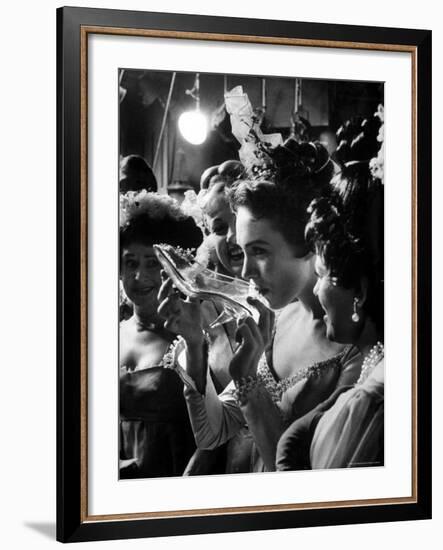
(359, 192)
(357, 140)
(295, 174)
(346, 230)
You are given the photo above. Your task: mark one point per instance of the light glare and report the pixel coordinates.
(193, 127)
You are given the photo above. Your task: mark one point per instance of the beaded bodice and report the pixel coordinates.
(376, 354)
(277, 388)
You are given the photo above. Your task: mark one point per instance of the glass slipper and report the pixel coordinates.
(197, 281)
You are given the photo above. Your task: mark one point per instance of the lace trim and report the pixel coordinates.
(167, 361)
(170, 357)
(278, 388)
(170, 361)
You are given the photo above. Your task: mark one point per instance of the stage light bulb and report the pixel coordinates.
(193, 126)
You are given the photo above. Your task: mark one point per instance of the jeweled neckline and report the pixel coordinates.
(278, 387)
(373, 358)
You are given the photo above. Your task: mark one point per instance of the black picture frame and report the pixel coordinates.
(72, 520)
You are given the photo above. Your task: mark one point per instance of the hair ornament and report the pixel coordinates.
(138, 203)
(306, 159)
(266, 156)
(245, 123)
(192, 205)
(377, 163)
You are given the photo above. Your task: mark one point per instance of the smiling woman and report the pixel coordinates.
(348, 429)
(218, 217)
(140, 275)
(155, 435)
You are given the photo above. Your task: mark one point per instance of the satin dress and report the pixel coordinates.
(156, 439)
(345, 431)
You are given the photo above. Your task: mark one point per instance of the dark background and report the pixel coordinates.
(325, 103)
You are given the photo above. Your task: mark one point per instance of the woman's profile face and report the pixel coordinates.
(140, 275)
(338, 304)
(220, 221)
(270, 260)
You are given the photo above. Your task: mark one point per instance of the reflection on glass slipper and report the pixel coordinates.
(197, 281)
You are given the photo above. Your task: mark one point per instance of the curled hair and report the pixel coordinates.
(306, 160)
(357, 140)
(346, 230)
(217, 180)
(227, 172)
(298, 173)
(342, 252)
(149, 218)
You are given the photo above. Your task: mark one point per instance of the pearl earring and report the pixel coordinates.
(355, 316)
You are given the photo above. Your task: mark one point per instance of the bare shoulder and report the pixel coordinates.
(127, 325)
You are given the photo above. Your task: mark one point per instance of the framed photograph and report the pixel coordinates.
(244, 274)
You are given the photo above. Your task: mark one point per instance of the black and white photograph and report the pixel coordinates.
(218, 251)
(251, 266)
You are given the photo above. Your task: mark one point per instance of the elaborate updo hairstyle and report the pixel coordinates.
(149, 218)
(358, 144)
(347, 228)
(227, 172)
(282, 187)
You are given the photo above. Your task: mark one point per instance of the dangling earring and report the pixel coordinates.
(355, 316)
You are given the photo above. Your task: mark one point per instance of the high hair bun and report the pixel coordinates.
(227, 172)
(207, 175)
(300, 160)
(231, 170)
(357, 140)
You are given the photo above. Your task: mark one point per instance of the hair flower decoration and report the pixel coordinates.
(245, 124)
(192, 205)
(377, 164)
(137, 203)
(266, 156)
